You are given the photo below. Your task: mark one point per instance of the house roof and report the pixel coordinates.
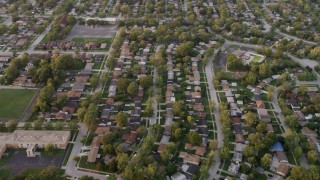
(283, 169)
(187, 146)
(263, 114)
(237, 128)
(161, 147)
(236, 120)
(200, 150)
(178, 176)
(308, 132)
(130, 137)
(190, 158)
(237, 157)
(269, 128)
(239, 138)
(102, 130)
(282, 157)
(260, 104)
(277, 147)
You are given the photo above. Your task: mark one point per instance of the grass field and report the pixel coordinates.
(5, 173)
(256, 58)
(85, 40)
(14, 102)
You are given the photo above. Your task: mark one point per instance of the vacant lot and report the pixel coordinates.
(82, 31)
(14, 102)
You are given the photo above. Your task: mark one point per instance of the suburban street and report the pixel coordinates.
(210, 75)
(278, 109)
(39, 38)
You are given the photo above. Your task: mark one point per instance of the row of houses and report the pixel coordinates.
(110, 108)
(71, 45)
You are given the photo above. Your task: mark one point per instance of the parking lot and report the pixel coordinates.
(19, 162)
(83, 31)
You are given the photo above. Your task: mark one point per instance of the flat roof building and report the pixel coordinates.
(25, 138)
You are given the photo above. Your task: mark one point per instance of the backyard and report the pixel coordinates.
(13, 102)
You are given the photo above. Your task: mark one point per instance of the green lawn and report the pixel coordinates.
(5, 160)
(5, 173)
(14, 102)
(79, 40)
(44, 40)
(256, 58)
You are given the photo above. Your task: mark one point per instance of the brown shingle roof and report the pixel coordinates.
(130, 137)
(200, 150)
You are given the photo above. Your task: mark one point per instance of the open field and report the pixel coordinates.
(14, 102)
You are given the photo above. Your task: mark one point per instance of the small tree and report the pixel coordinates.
(49, 148)
(193, 137)
(12, 125)
(266, 160)
(76, 158)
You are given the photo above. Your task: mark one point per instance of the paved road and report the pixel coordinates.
(210, 74)
(278, 109)
(153, 119)
(266, 26)
(64, 52)
(40, 37)
(8, 21)
(295, 38)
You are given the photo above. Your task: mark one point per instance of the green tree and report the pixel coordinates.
(12, 125)
(250, 118)
(193, 137)
(121, 119)
(94, 80)
(132, 88)
(224, 153)
(251, 78)
(90, 118)
(37, 124)
(177, 106)
(123, 84)
(266, 160)
(213, 145)
(292, 121)
(312, 156)
(49, 148)
(146, 81)
(185, 49)
(123, 160)
(234, 63)
(149, 108)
